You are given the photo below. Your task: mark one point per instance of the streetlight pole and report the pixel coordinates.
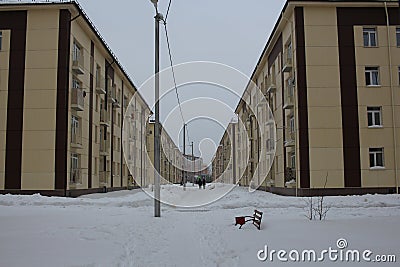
(184, 157)
(157, 18)
(192, 164)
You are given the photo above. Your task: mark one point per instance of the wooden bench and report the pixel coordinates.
(256, 219)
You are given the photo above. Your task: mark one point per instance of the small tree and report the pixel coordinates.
(319, 209)
(309, 208)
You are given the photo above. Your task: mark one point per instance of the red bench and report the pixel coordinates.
(256, 219)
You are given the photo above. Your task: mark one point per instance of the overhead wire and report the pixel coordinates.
(173, 70)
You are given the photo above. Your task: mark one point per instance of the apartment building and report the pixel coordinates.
(330, 73)
(171, 159)
(222, 163)
(63, 98)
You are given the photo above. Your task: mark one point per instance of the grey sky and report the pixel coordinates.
(229, 32)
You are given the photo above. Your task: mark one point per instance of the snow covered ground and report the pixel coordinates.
(118, 229)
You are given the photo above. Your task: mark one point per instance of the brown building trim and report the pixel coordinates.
(347, 18)
(122, 132)
(110, 74)
(304, 156)
(61, 153)
(278, 49)
(16, 22)
(311, 192)
(91, 96)
(68, 193)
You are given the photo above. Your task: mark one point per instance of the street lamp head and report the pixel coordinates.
(155, 2)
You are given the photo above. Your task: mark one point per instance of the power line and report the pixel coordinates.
(166, 14)
(173, 72)
(172, 68)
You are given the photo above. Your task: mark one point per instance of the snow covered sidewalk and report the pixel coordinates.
(118, 229)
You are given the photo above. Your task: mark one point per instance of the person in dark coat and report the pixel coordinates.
(199, 182)
(204, 183)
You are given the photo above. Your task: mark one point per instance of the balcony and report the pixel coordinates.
(270, 146)
(271, 84)
(104, 118)
(76, 137)
(290, 139)
(78, 63)
(113, 96)
(100, 85)
(77, 99)
(289, 95)
(287, 61)
(104, 147)
(103, 178)
(76, 176)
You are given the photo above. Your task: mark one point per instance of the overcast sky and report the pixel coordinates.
(228, 32)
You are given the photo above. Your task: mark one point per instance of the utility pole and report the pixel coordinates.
(184, 156)
(234, 152)
(192, 164)
(158, 17)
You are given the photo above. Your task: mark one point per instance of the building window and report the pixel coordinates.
(372, 76)
(291, 124)
(399, 74)
(96, 166)
(398, 36)
(76, 84)
(1, 40)
(369, 35)
(96, 136)
(376, 159)
(97, 103)
(98, 76)
(75, 130)
(75, 170)
(76, 51)
(293, 161)
(374, 116)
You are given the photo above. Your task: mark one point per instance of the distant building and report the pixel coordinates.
(171, 157)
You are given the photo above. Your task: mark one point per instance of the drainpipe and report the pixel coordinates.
(392, 100)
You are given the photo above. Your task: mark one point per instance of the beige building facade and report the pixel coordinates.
(330, 73)
(171, 160)
(63, 98)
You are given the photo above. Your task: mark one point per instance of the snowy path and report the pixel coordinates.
(118, 229)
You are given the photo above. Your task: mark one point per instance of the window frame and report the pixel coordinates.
(293, 161)
(76, 50)
(373, 162)
(370, 70)
(76, 83)
(292, 124)
(369, 31)
(75, 160)
(372, 111)
(398, 73)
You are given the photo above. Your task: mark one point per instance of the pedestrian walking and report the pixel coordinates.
(199, 182)
(204, 183)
